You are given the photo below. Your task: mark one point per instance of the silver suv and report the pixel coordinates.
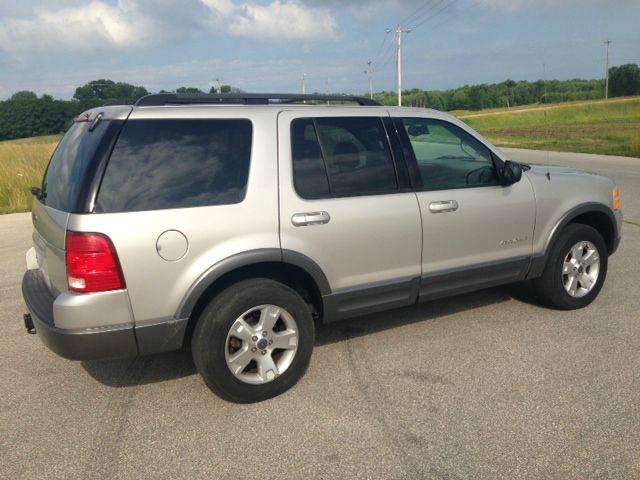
(232, 223)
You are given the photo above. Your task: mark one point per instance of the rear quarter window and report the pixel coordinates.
(163, 164)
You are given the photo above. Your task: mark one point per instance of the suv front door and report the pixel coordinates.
(345, 205)
(476, 232)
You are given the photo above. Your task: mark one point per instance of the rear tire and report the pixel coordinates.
(575, 270)
(253, 341)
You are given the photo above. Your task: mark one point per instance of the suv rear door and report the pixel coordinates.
(346, 205)
(476, 232)
(69, 186)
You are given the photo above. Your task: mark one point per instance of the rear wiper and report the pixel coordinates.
(96, 121)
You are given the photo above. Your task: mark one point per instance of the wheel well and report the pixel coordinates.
(290, 275)
(602, 223)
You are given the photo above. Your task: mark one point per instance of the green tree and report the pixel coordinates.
(460, 99)
(624, 80)
(102, 92)
(24, 96)
(188, 90)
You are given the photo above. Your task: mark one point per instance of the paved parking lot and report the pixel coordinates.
(484, 385)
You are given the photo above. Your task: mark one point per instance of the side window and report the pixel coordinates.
(158, 164)
(349, 156)
(309, 172)
(447, 156)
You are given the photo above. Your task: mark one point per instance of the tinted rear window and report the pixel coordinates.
(159, 164)
(66, 175)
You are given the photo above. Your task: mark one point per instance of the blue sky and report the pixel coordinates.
(266, 46)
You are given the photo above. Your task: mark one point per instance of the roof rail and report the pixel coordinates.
(159, 99)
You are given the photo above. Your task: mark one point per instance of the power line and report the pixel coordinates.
(417, 13)
(433, 7)
(425, 12)
(384, 60)
(384, 40)
(439, 12)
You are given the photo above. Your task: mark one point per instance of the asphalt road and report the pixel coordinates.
(484, 385)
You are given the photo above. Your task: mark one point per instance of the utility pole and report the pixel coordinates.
(399, 31)
(369, 73)
(219, 82)
(544, 80)
(304, 83)
(606, 83)
(326, 88)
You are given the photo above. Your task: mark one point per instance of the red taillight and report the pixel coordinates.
(92, 263)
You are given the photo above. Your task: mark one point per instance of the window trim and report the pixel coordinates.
(401, 186)
(412, 161)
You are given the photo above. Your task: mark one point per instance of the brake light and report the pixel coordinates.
(92, 263)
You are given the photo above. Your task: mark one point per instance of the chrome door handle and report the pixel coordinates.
(441, 207)
(310, 218)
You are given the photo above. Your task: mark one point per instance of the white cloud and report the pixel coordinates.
(85, 27)
(519, 5)
(287, 20)
(99, 24)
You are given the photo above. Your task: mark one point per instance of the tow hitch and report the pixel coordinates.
(28, 324)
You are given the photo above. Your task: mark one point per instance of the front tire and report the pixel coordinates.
(575, 270)
(253, 341)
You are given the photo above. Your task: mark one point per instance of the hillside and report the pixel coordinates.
(610, 127)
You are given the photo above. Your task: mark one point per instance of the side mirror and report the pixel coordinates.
(511, 173)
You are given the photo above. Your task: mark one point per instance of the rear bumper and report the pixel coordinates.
(113, 341)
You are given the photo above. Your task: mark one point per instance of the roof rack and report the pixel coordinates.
(159, 99)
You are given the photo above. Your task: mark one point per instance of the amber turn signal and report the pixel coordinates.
(616, 199)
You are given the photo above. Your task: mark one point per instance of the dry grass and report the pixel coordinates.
(635, 144)
(22, 164)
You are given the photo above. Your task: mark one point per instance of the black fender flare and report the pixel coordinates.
(245, 259)
(538, 261)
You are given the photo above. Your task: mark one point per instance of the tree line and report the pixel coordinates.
(623, 81)
(25, 114)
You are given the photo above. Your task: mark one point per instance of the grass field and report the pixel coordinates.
(606, 127)
(22, 163)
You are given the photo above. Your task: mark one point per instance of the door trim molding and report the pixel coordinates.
(466, 279)
(398, 293)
